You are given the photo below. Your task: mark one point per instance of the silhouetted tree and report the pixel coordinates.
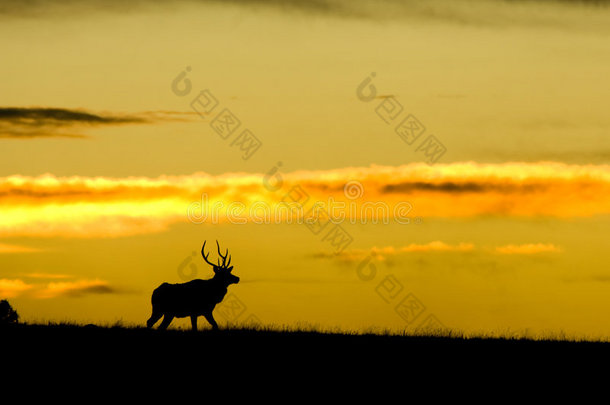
(7, 313)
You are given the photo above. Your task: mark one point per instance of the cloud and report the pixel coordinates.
(27, 123)
(46, 275)
(40, 8)
(77, 288)
(6, 248)
(528, 249)
(600, 278)
(437, 246)
(558, 14)
(12, 288)
(59, 116)
(382, 253)
(455, 187)
(80, 206)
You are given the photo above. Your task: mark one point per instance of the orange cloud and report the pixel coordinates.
(75, 288)
(381, 253)
(12, 288)
(109, 207)
(45, 275)
(437, 246)
(6, 248)
(528, 249)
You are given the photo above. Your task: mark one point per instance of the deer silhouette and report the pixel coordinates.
(194, 298)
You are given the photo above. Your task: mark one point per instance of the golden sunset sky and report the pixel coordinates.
(112, 149)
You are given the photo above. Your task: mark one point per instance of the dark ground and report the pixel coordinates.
(265, 356)
(67, 340)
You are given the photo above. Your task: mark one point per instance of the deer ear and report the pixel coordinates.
(215, 269)
(229, 269)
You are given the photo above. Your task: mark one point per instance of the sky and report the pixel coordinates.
(370, 165)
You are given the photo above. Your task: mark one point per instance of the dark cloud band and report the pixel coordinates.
(28, 123)
(460, 187)
(60, 116)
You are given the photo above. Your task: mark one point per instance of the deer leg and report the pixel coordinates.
(211, 320)
(153, 319)
(194, 322)
(167, 319)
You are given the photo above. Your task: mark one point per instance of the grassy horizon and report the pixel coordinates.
(312, 329)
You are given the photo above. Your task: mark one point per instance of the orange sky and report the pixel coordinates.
(116, 165)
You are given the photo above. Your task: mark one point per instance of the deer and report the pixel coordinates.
(194, 298)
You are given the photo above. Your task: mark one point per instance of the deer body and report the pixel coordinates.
(194, 298)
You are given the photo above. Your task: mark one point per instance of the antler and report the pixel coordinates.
(224, 258)
(224, 264)
(205, 257)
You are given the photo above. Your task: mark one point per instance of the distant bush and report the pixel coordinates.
(7, 313)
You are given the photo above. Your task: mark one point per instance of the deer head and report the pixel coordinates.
(222, 271)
